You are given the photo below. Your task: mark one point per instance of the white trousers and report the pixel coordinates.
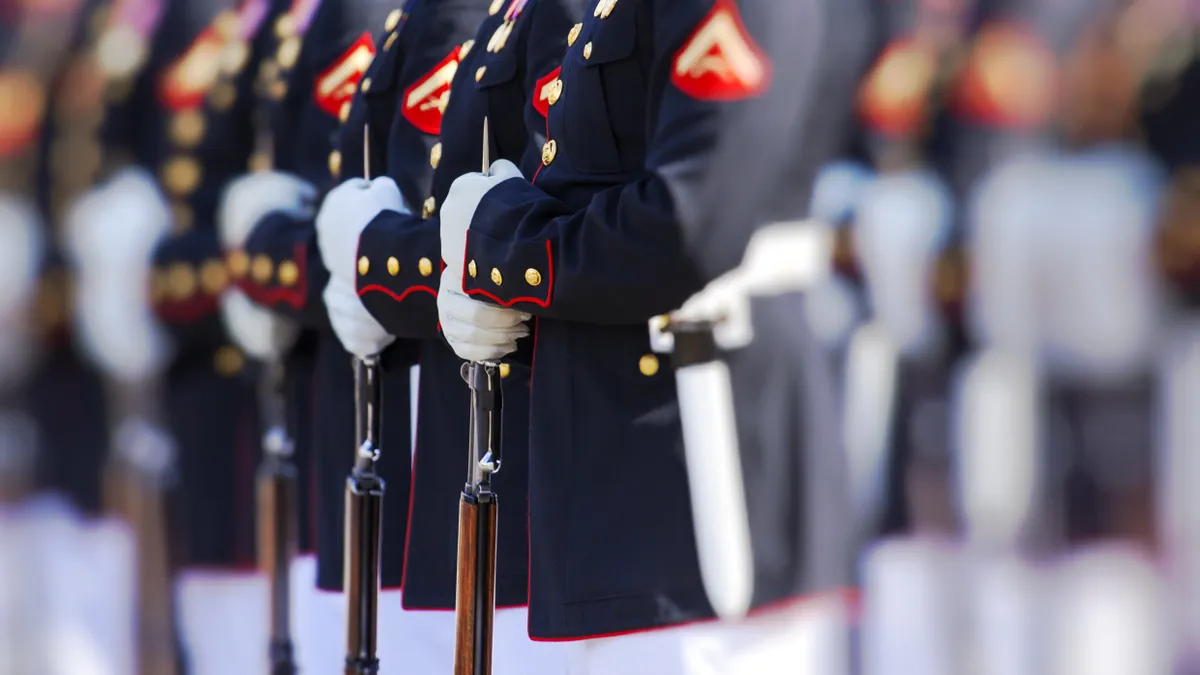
(224, 621)
(805, 638)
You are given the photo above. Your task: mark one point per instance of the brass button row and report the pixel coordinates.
(424, 266)
(532, 276)
(180, 281)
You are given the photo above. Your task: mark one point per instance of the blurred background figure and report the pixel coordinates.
(40, 528)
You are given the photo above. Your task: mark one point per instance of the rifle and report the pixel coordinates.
(475, 600)
(277, 535)
(139, 480)
(364, 507)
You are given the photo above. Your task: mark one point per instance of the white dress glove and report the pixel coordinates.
(358, 331)
(259, 332)
(475, 330)
(20, 252)
(111, 234)
(345, 213)
(249, 198)
(903, 220)
(459, 208)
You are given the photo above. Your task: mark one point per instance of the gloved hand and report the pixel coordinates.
(345, 213)
(475, 330)
(20, 252)
(358, 331)
(249, 198)
(259, 332)
(111, 234)
(459, 208)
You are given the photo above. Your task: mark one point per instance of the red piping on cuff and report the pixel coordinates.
(387, 291)
(509, 303)
(271, 295)
(193, 310)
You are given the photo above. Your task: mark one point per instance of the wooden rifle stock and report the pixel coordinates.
(364, 516)
(277, 528)
(139, 481)
(475, 601)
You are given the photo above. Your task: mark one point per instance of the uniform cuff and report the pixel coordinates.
(280, 268)
(508, 272)
(399, 267)
(186, 281)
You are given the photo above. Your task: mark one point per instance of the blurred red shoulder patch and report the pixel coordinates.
(426, 99)
(892, 99)
(187, 81)
(22, 104)
(1010, 80)
(546, 91)
(337, 84)
(720, 61)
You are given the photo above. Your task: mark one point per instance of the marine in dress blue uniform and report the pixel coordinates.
(507, 74)
(206, 99)
(64, 384)
(317, 54)
(592, 247)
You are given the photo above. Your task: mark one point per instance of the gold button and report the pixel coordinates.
(364, 265)
(261, 161)
(229, 360)
(496, 277)
(187, 128)
(288, 52)
(499, 37)
(479, 73)
(429, 208)
(533, 277)
(393, 20)
(549, 150)
(213, 277)
(239, 263)
(505, 369)
(344, 113)
(471, 269)
(435, 155)
(366, 84)
(181, 281)
(465, 49)
(285, 27)
(261, 268)
(587, 51)
(390, 41)
(223, 95)
(233, 57)
(425, 266)
(181, 175)
(496, 6)
(574, 34)
(278, 90)
(335, 163)
(556, 91)
(158, 287)
(648, 364)
(226, 24)
(607, 8)
(393, 266)
(289, 273)
(181, 217)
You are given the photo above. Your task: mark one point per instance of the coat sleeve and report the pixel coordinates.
(619, 259)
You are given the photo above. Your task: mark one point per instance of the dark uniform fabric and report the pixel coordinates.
(594, 249)
(514, 50)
